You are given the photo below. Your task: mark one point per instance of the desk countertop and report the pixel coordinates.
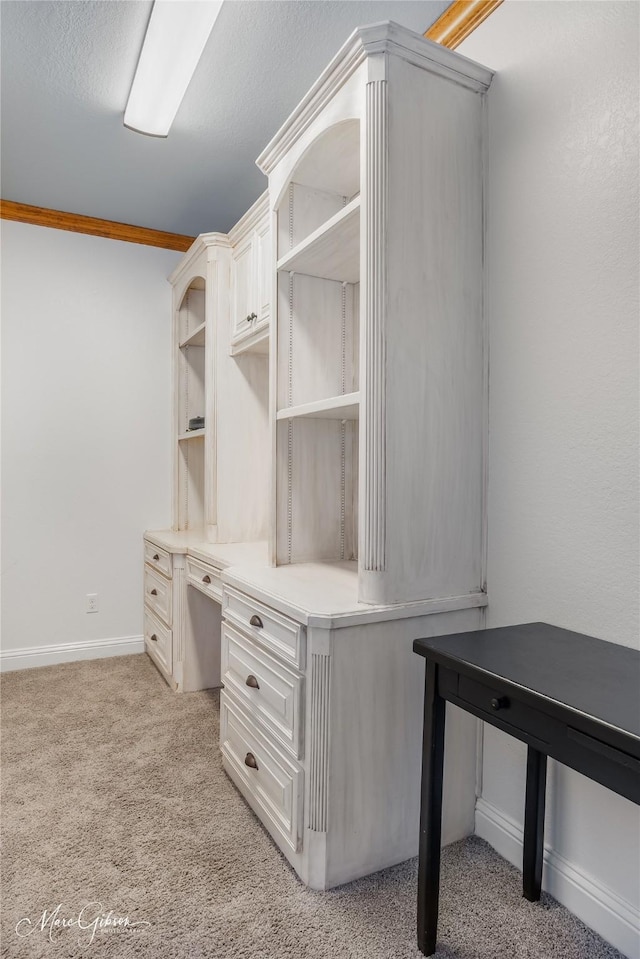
(314, 594)
(326, 595)
(221, 555)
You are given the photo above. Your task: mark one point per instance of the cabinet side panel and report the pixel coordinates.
(241, 386)
(434, 327)
(201, 653)
(377, 689)
(243, 448)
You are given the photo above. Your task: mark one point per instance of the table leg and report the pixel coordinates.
(430, 812)
(534, 824)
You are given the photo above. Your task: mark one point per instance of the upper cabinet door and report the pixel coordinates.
(252, 270)
(243, 308)
(262, 244)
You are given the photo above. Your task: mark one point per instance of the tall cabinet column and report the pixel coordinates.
(373, 425)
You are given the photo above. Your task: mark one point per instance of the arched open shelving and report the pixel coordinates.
(191, 397)
(318, 267)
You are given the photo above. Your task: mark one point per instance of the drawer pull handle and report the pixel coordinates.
(156, 558)
(253, 682)
(256, 621)
(501, 702)
(153, 638)
(206, 579)
(154, 592)
(250, 760)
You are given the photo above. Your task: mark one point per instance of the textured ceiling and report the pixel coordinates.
(67, 67)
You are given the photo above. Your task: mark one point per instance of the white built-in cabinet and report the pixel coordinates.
(204, 267)
(335, 509)
(378, 340)
(220, 471)
(251, 280)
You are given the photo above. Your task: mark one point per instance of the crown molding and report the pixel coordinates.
(76, 223)
(247, 222)
(380, 38)
(459, 20)
(201, 244)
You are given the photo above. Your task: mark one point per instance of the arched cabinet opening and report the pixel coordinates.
(323, 183)
(191, 314)
(191, 423)
(317, 335)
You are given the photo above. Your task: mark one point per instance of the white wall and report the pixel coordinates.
(85, 437)
(563, 463)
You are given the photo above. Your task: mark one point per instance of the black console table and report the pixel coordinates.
(566, 695)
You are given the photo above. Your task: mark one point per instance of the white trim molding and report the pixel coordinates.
(11, 659)
(364, 41)
(597, 905)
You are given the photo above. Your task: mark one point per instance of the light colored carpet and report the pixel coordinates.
(113, 793)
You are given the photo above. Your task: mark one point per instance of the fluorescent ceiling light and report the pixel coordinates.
(176, 36)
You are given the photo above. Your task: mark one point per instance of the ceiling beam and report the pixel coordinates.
(57, 220)
(459, 20)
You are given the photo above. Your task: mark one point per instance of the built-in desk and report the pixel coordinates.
(221, 555)
(566, 695)
(181, 629)
(320, 697)
(353, 448)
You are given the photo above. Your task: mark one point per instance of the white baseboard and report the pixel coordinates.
(598, 906)
(69, 652)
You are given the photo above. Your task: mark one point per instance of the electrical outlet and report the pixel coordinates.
(92, 603)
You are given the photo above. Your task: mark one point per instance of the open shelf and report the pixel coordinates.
(332, 164)
(332, 251)
(345, 407)
(196, 338)
(317, 342)
(191, 435)
(191, 313)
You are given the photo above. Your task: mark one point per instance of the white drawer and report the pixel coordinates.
(281, 635)
(271, 783)
(205, 578)
(157, 641)
(158, 558)
(268, 690)
(157, 594)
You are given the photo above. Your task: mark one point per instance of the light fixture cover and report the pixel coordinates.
(176, 36)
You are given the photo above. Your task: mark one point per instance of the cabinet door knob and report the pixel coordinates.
(206, 578)
(501, 702)
(253, 682)
(154, 592)
(156, 558)
(250, 760)
(251, 316)
(153, 638)
(256, 621)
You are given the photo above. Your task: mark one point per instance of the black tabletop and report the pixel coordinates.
(594, 677)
